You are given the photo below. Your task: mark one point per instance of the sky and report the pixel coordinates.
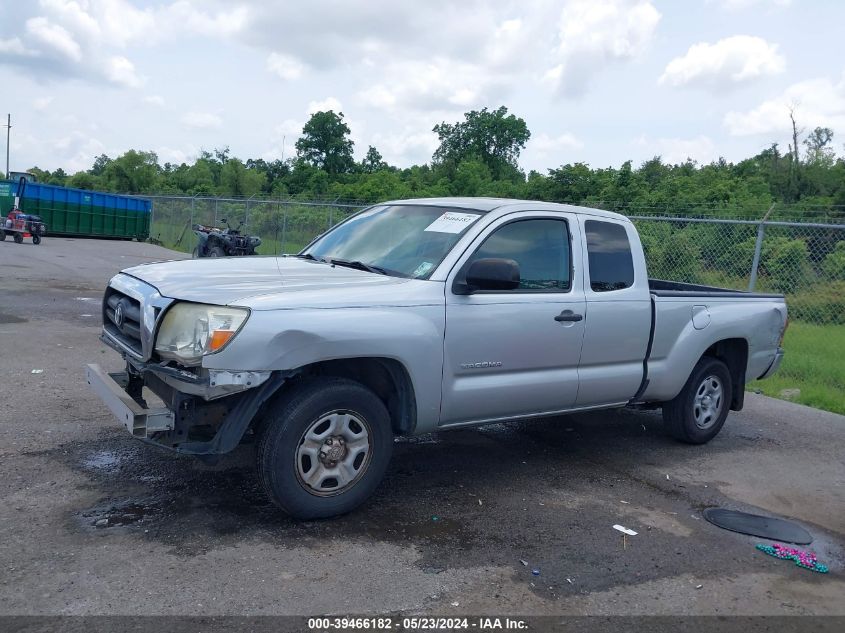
(597, 81)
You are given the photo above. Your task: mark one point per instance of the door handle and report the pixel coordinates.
(568, 315)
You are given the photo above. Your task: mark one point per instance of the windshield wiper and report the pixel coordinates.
(311, 257)
(358, 265)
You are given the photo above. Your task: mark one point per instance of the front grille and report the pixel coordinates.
(122, 319)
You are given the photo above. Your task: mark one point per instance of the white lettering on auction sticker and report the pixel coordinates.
(452, 222)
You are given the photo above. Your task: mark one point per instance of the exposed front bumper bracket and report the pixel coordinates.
(140, 421)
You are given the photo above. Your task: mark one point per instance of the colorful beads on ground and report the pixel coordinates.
(804, 559)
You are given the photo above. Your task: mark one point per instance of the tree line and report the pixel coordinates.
(478, 156)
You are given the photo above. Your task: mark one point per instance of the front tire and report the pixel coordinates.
(18, 237)
(697, 414)
(324, 448)
(216, 251)
(36, 239)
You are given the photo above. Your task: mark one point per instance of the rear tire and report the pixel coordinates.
(216, 251)
(2, 235)
(324, 447)
(18, 238)
(697, 414)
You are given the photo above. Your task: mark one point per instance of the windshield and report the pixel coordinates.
(400, 240)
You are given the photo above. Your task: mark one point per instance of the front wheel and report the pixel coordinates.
(36, 239)
(697, 414)
(216, 251)
(2, 235)
(18, 237)
(324, 448)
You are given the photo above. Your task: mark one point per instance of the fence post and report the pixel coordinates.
(284, 227)
(758, 247)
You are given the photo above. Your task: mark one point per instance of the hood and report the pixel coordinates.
(265, 283)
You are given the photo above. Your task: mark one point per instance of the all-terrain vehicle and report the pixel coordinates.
(228, 242)
(20, 225)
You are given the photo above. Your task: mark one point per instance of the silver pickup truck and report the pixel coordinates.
(416, 316)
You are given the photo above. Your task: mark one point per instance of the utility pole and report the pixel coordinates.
(8, 131)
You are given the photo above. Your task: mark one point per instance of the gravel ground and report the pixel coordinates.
(93, 522)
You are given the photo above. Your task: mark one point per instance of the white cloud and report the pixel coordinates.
(738, 5)
(55, 37)
(407, 146)
(121, 71)
(817, 102)
(202, 120)
(594, 33)
(329, 103)
(42, 103)
(155, 100)
(15, 46)
(732, 60)
(285, 66)
(674, 151)
(544, 145)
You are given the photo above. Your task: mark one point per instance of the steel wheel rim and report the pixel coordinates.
(333, 453)
(707, 403)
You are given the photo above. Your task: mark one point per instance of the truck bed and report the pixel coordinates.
(664, 288)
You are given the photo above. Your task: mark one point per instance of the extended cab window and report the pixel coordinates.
(540, 247)
(609, 256)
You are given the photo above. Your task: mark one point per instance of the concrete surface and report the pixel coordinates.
(455, 517)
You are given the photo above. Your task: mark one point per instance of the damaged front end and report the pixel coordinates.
(203, 412)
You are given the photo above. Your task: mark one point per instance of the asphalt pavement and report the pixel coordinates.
(94, 522)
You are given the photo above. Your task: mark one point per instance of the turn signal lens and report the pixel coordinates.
(219, 338)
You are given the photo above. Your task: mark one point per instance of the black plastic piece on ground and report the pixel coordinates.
(755, 525)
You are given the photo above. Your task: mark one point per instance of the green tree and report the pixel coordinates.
(325, 143)
(237, 180)
(494, 137)
(133, 172)
(373, 161)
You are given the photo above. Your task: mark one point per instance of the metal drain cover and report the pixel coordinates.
(755, 525)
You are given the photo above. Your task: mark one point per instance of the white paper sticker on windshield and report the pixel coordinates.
(451, 222)
(422, 269)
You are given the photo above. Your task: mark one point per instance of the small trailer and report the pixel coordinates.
(20, 225)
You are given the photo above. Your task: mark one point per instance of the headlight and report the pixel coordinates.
(192, 330)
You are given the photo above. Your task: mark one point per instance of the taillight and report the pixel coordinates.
(783, 333)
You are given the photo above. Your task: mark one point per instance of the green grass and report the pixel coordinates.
(814, 363)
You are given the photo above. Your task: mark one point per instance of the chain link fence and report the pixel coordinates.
(805, 261)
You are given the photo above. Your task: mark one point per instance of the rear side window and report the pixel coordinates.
(609, 256)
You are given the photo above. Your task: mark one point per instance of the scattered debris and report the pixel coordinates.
(699, 586)
(535, 571)
(569, 580)
(626, 532)
(434, 517)
(479, 502)
(643, 425)
(625, 502)
(37, 371)
(524, 562)
(456, 603)
(789, 394)
(802, 558)
(667, 477)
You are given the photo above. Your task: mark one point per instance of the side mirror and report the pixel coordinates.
(492, 274)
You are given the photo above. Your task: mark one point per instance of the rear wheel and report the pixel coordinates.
(324, 448)
(2, 235)
(216, 251)
(18, 238)
(697, 414)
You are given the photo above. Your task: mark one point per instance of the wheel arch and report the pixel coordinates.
(734, 353)
(386, 377)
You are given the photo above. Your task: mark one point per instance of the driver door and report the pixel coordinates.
(505, 353)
